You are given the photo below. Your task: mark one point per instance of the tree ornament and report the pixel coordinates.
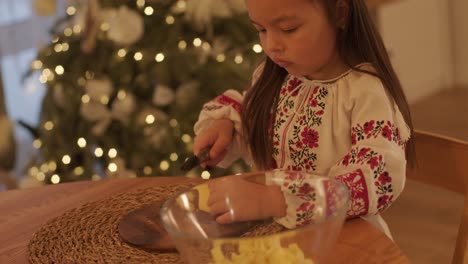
(94, 111)
(99, 91)
(126, 26)
(187, 93)
(159, 137)
(201, 12)
(99, 88)
(123, 108)
(163, 95)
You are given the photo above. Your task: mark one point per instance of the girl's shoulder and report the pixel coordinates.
(353, 83)
(361, 82)
(363, 74)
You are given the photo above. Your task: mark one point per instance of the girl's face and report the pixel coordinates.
(298, 36)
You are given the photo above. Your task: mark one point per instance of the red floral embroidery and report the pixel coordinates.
(310, 137)
(305, 189)
(359, 199)
(368, 127)
(305, 136)
(305, 206)
(294, 183)
(387, 133)
(294, 176)
(290, 86)
(211, 107)
(374, 129)
(331, 197)
(384, 200)
(363, 152)
(382, 179)
(314, 103)
(374, 162)
(346, 159)
(221, 101)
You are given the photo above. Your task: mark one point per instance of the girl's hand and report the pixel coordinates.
(218, 136)
(233, 198)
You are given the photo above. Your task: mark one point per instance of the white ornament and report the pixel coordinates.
(186, 93)
(94, 111)
(99, 88)
(126, 26)
(159, 137)
(220, 45)
(100, 127)
(201, 12)
(163, 95)
(97, 112)
(122, 108)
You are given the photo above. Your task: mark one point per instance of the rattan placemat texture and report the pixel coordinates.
(89, 234)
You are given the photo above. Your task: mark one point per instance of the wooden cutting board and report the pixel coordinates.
(144, 229)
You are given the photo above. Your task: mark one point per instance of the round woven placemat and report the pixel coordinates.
(89, 234)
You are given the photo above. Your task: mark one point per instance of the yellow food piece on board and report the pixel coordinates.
(180, 201)
(262, 250)
(203, 194)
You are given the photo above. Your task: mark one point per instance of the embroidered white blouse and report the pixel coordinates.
(347, 127)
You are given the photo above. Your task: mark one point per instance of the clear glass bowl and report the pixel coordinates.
(200, 239)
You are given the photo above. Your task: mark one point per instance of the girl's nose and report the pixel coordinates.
(273, 44)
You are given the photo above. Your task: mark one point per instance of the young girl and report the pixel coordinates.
(326, 100)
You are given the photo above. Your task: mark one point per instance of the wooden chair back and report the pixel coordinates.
(443, 161)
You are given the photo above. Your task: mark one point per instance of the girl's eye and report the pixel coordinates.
(289, 30)
(261, 30)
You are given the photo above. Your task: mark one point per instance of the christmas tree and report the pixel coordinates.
(126, 80)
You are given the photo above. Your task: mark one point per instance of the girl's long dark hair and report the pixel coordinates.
(359, 41)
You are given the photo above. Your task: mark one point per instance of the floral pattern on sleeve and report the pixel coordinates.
(333, 197)
(359, 200)
(374, 129)
(297, 185)
(382, 179)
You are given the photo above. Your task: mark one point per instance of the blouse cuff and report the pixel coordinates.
(225, 106)
(303, 207)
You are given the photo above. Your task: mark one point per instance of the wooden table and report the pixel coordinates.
(22, 212)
